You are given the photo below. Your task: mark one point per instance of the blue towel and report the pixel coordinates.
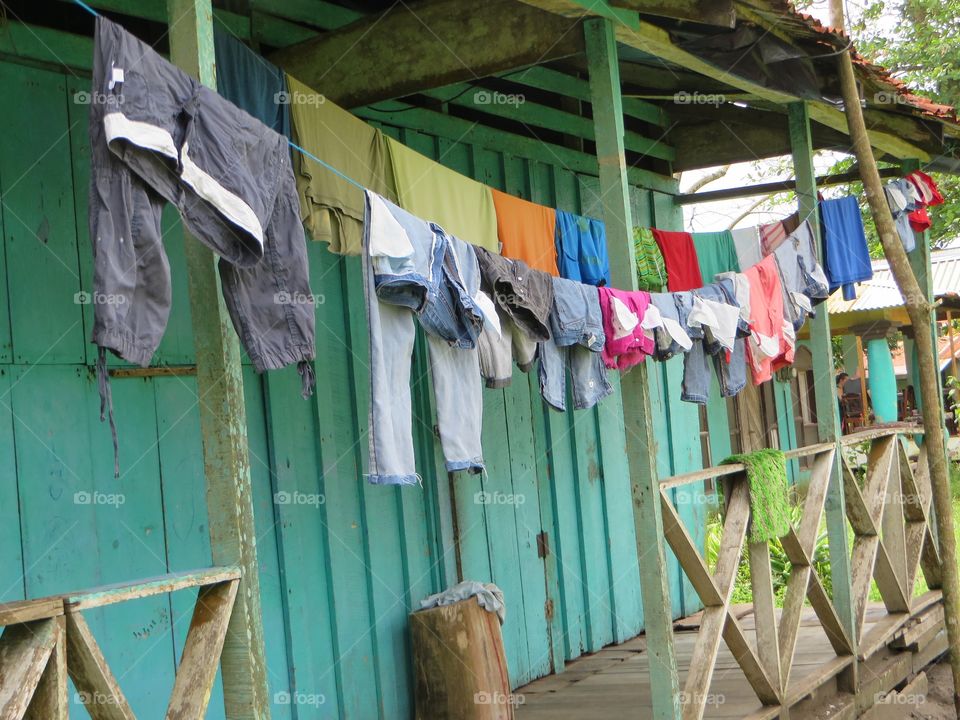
(582, 249)
(250, 82)
(844, 245)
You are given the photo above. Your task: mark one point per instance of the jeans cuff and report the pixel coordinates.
(473, 466)
(411, 479)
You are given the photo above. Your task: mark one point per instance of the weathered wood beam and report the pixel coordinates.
(640, 443)
(223, 417)
(425, 45)
(775, 187)
(534, 114)
(706, 12)
(95, 682)
(828, 419)
(24, 652)
(653, 40)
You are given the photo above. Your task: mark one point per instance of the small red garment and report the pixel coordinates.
(919, 220)
(680, 259)
(926, 187)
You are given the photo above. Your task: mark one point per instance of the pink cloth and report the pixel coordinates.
(769, 347)
(623, 353)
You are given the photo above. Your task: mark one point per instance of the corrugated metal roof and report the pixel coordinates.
(881, 291)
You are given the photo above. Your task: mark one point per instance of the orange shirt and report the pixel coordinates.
(527, 232)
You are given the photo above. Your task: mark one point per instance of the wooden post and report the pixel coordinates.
(864, 369)
(223, 419)
(922, 315)
(828, 418)
(641, 448)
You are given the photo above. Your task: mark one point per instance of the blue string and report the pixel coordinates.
(292, 144)
(87, 8)
(327, 165)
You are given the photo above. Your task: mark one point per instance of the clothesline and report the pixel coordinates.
(292, 144)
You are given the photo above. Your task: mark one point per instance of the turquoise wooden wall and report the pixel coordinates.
(342, 562)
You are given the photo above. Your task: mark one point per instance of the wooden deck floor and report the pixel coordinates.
(614, 683)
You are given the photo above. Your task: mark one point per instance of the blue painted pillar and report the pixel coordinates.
(881, 379)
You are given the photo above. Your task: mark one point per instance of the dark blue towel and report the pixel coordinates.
(844, 245)
(582, 249)
(250, 82)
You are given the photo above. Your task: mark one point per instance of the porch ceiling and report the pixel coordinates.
(688, 104)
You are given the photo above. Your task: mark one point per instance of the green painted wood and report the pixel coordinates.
(304, 546)
(614, 183)
(534, 114)
(828, 417)
(626, 608)
(718, 425)
(318, 13)
(526, 509)
(38, 219)
(545, 78)
(683, 446)
(46, 45)
(11, 557)
(459, 129)
(69, 499)
(786, 427)
(222, 414)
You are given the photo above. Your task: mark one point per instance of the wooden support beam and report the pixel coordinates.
(50, 700)
(197, 670)
(653, 40)
(828, 416)
(720, 13)
(419, 46)
(122, 592)
(95, 682)
(537, 115)
(223, 419)
(776, 187)
(641, 447)
(25, 650)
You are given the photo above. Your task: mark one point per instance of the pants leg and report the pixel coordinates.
(732, 375)
(390, 436)
(458, 393)
(696, 375)
(552, 373)
(588, 377)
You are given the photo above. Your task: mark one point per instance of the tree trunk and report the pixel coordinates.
(921, 317)
(460, 670)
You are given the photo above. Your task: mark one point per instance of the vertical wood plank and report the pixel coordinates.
(828, 417)
(11, 557)
(50, 699)
(222, 414)
(606, 99)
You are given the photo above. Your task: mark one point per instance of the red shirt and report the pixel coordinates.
(680, 259)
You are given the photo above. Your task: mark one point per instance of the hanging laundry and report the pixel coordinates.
(766, 472)
(582, 249)
(771, 235)
(845, 245)
(900, 199)
(251, 82)
(627, 342)
(160, 136)
(771, 343)
(672, 336)
(746, 242)
(680, 259)
(526, 231)
(523, 294)
(926, 187)
(651, 272)
(716, 253)
(500, 349)
(413, 268)
(332, 207)
(814, 280)
(715, 313)
(461, 206)
(575, 347)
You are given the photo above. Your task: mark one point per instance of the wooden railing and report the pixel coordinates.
(47, 639)
(893, 541)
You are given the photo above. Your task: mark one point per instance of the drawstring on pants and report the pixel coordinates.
(106, 404)
(308, 381)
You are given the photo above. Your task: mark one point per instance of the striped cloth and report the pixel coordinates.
(651, 271)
